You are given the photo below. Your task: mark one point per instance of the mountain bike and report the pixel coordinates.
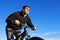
(26, 35)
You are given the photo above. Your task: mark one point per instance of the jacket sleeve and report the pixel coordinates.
(29, 23)
(10, 19)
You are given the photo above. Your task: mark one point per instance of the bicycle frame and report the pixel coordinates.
(25, 33)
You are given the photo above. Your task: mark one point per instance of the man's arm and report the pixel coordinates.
(10, 19)
(29, 23)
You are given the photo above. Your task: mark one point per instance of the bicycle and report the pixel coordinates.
(25, 34)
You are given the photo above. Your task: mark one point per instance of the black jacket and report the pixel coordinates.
(18, 16)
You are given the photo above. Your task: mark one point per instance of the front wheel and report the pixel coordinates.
(36, 38)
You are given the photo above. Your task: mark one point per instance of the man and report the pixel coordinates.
(15, 21)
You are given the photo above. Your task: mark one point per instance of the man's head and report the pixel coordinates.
(26, 9)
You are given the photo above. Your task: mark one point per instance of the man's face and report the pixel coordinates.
(26, 10)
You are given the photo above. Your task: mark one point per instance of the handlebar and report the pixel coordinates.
(26, 26)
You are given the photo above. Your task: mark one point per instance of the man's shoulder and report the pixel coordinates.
(16, 12)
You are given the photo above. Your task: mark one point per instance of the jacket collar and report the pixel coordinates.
(22, 13)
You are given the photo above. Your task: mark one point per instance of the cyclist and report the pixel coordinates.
(15, 21)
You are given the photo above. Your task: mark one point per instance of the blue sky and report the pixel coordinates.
(44, 14)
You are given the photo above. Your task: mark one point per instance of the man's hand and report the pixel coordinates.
(17, 22)
(34, 28)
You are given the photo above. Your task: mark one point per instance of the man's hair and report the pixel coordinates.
(25, 7)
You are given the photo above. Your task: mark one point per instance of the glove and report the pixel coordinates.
(33, 28)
